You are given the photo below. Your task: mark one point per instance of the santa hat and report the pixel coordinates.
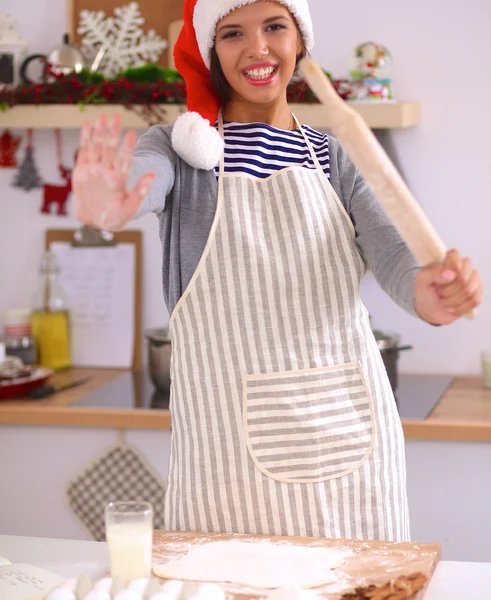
(194, 136)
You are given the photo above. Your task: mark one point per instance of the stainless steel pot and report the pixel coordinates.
(389, 346)
(159, 356)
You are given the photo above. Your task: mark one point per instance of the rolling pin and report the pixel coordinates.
(377, 169)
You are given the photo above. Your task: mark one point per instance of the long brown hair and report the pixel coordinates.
(219, 81)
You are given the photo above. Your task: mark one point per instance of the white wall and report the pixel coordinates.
(442, 53)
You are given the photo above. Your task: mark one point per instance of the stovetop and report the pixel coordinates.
(132, 390)
(416, 395)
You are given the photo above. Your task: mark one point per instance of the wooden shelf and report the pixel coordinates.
(390, 115)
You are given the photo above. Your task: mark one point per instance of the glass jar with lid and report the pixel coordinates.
(18, 338)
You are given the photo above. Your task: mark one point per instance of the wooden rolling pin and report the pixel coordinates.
(377, 169)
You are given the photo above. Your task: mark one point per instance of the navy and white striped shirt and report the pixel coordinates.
(260, 150)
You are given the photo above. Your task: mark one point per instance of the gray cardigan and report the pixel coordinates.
(184, 200)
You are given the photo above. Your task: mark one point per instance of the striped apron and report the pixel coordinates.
(284, 421)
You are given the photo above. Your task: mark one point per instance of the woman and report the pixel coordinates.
(283, 417)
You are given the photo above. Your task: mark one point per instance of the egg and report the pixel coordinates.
(292, 592)
(104, 584)
(212, 591)
(153, 587)
(161, 596)
(84, 586)
(61, 594)
(173, 588)
(139, 585)
(127, 594)
(208, 591)
(188, 590)
(70, 584)
(98, 595)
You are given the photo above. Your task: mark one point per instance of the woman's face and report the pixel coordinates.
(257, 46)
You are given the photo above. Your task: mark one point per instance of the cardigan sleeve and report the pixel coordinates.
(154, 153)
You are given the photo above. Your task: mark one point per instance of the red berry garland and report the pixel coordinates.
(62, 89)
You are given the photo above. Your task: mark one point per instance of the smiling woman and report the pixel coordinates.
(255, 46)
(284, 421)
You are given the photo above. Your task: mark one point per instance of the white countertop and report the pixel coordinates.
(69, 558)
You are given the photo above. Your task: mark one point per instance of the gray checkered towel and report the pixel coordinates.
(120, 473)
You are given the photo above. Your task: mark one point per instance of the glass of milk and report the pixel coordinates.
(129, 528)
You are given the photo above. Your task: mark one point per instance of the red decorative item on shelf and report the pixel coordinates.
(57, 194)
(8, 147)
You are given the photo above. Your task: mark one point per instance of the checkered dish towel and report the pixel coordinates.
(119, 474)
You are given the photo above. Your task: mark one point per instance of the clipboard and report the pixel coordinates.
(87, 237)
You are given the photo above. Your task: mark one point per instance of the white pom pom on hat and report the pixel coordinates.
(207, 145)
(194, 136)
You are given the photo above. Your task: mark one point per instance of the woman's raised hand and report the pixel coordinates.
(101, 198)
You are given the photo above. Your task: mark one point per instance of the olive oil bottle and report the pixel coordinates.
(51, 318)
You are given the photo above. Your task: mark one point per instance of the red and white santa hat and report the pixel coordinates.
(194, 136)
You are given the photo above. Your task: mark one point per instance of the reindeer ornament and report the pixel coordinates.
(54, 194)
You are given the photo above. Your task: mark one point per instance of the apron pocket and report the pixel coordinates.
(309, 426)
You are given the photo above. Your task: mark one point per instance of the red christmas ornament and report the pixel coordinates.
(58, 194)
(8, 147)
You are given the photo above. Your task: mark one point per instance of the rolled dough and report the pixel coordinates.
(257, 565)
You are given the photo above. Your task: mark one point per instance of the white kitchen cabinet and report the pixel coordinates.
(449, 490)
(37, 463)
(449, 484)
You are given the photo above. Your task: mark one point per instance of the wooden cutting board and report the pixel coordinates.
(371, 563)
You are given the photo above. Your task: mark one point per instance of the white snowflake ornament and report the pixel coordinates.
(127, 44)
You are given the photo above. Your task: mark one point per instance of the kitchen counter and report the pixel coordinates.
(55, 438)
(463, 414)
(61, 408)
(70, 558)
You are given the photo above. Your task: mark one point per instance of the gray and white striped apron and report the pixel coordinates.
(283, 417)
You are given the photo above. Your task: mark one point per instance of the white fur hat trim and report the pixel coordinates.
(207, 13)
(196, 141)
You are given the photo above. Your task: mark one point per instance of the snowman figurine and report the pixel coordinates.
(371, 72)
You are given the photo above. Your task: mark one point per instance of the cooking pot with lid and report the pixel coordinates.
(389, 345)
(159, 355)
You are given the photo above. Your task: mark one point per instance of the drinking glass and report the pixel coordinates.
(129, 532)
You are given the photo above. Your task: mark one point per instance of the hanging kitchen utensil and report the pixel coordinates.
(376, 167)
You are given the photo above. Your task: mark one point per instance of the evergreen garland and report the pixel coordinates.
(149, 84)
